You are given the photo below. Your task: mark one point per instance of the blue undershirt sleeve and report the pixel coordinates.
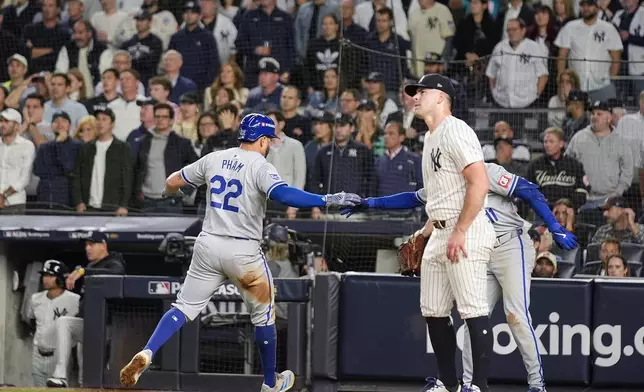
(297, 198)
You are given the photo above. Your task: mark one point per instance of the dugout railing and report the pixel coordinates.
(365, 332)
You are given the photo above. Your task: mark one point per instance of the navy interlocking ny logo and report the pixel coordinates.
(432, 22)
(58, 313)
(600, 36)
(638, 30)
(435, 156)
(524, 58)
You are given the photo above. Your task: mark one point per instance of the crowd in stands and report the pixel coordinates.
(101, 100)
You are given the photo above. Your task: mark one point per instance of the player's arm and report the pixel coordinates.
(174, 183)
(476, 188)
(398, 201)
(194, 175)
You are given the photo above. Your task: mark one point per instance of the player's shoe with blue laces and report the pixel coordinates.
(132, 371)
(536, 389)
(285, 381)
(470, 388)
(435, 385)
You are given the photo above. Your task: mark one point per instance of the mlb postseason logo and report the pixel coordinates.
(159, 288)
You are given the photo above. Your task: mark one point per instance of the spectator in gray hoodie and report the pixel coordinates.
(605, 155)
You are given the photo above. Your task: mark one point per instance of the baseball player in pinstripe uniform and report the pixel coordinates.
(228, 247)
(45, 308)
(511, 263)
(456, 257)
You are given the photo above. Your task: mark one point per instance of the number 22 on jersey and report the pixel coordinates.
(230, 189)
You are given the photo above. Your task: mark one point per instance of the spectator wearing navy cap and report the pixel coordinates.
(384, 41)
(606, 156)
(368, 130)
(504, 148)
(144, 47)
(352, 170)
(323, 124)
(398, 170)
(16, 164)
(162, 153)
(54, 165)
(198, 48)
(187, 125)
(102, 179)
(576, 113)
(267, 95)
(263, 32)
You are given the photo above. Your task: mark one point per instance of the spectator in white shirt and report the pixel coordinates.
(107, 21)
(16, 160)
(222, 27)
(127, 112)
(589, 44)
(86, 53)
(517, 70)
(164, 24)
(631, 128)
(503, 130)
(122, 61)
(430, 27)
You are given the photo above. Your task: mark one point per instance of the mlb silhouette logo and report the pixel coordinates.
(159, 288)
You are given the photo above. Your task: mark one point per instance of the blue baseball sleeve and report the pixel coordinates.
(294, 197)
(399, 201)
(529, 192)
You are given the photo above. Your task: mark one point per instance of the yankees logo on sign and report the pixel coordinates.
(504, 181)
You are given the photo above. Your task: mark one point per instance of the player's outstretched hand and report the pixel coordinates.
(563, 237)
(342, 199)
(178, 194)
(358, 208)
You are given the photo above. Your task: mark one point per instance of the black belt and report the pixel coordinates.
(439, 224)
(503, 238)
(44, 353)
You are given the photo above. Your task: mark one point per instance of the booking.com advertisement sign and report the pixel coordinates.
(585, 332)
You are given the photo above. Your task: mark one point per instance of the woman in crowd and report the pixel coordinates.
(617, 266)
(229, 8)
(377, 93)
(231, 76)
(86, 129)
(322, 55)
(206, 127)
(544, 32)
(568, 80)
(564, 12)
(78, 89)
(327, 99)
(222, 96)
(368, 131)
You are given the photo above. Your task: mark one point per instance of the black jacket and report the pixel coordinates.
(93, 58)
(563, 178)
(470, 38)
(112, 264)
(178, 153)
(118, 175)
(352, 170)
(320, 56)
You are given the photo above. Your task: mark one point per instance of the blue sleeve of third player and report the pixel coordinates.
(294, 197)
(529, 192)
(399, 201)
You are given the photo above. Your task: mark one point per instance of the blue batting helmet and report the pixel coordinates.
(253, 126)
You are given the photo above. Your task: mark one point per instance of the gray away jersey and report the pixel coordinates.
(498, 207)
(239, 182)
(46, 311)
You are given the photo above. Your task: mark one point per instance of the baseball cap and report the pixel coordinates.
(344, 119)
(12, 115)
(433, 58)
(192, 6)
(322, 116)
(549, 256)
(601, 105)
(432, 81)
(146, 101)
(614, 201)
(62, 115)
(143, 14)
(375, 77)
(96, 236)
(189, 98)
(367, 104)
(19, 58)
(576, 95)
(105, 110)
(502, 139)
(269, 64)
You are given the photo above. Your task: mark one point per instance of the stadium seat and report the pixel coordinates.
(592, 252)
(565, 269)
(568, 256)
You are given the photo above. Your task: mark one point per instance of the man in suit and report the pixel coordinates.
(172, 63)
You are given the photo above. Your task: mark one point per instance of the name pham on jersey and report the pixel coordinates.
(231, 165)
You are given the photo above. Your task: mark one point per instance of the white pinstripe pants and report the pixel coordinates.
(69, 332)
(442, 282)
(41, 367)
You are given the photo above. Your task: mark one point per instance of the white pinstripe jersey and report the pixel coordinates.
(446, 152)
(239, 182)
(46, 311)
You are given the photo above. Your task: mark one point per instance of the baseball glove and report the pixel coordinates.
(410, 255)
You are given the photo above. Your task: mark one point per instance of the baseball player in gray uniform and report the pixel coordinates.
(228, 247)
(456, 257)
(45, 308)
